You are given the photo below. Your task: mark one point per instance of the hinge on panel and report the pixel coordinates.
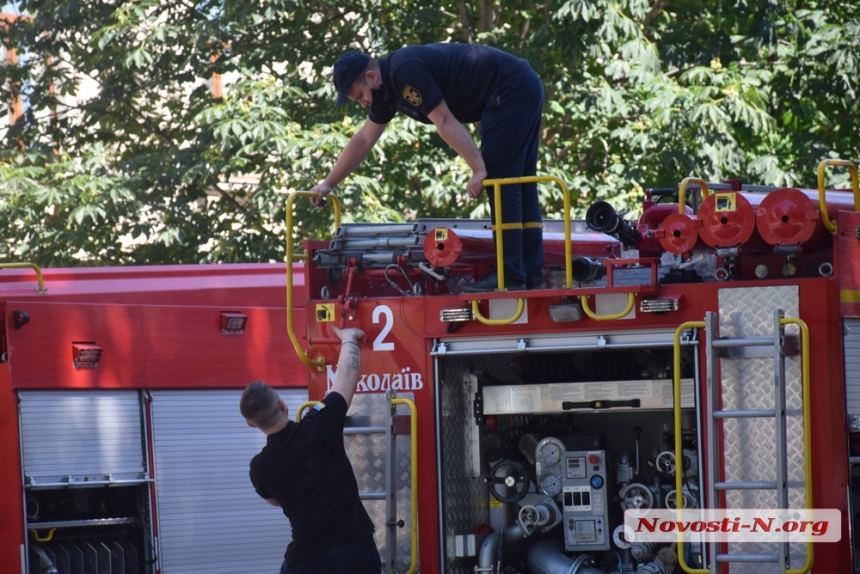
(478, 408)
(688, 335)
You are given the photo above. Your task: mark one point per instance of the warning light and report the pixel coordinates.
(233, 322)
(86, 355)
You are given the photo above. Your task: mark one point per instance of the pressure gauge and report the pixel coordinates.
(551, 485)
(549, 451)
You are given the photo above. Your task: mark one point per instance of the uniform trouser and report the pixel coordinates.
(357, 557)
(510, 132)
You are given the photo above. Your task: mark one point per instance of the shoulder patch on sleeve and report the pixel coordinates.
(319, 406)
(412, 96)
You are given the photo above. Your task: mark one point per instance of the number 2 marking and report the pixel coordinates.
(379, 343)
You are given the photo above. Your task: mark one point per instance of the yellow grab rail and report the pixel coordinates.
(303, 407)
(679, 449)
(46, 538)
(41, 288)
(319, 362)
(497, 184)
(807, 431)
(822, 204)
(631, 299)
(413, 469)
(498, 228)
(682, 191)
(521, 304)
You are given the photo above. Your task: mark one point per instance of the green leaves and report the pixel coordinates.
(123, 155)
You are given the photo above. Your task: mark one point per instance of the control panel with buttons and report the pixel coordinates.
(584, 501)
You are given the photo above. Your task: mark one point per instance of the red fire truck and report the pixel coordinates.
(702, 356)
(706, 355)
(121, 446)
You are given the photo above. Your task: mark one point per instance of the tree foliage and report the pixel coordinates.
(123, 155)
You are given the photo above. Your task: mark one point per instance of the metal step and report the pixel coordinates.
(746, 485)
(749, 558)
(745, 414)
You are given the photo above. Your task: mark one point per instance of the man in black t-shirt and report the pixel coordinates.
(449, 85)
(304, 469)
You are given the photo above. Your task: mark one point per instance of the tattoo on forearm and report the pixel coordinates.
(353, 355)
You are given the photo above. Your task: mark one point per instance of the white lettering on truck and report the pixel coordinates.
(405, 380)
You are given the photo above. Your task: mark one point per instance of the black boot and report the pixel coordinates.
(490, 282)
(536, 281)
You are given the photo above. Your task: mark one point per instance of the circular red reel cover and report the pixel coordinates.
(728, 219)
(442, 247)
(680, 233)
(786, 216)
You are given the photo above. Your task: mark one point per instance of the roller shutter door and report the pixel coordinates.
(852, 371)
(210, 519)
(90, 436)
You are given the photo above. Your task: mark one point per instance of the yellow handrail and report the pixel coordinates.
(497, 184)
(498, 227)
(47, 538)
(822, 204)
(682, 191)
(679, 450)
(413, 469)
(631, 300)
(319, 362)
(41, 289)
(807, 432)
(521, 304)
(303, 407)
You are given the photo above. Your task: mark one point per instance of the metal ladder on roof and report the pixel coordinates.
(779, 345)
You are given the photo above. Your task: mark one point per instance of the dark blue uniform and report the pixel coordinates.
(502, 92)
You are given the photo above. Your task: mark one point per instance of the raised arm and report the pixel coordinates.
(348, 364)
(353, 154)
(458, 137)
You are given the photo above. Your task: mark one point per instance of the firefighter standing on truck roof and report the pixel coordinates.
(449, 85)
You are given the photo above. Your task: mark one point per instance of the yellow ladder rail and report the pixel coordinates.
(319, 362)
(679, 450)
(807, 430)
(413, 470)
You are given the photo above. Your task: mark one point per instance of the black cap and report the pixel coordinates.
(347, 69)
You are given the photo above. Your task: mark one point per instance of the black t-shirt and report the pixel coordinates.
(304, 467)
(467, 76)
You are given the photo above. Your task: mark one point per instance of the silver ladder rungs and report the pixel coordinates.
(759, 558)
(352, 431)
(729, 343)
(373, 495)
(747, 485)
(746, 414)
